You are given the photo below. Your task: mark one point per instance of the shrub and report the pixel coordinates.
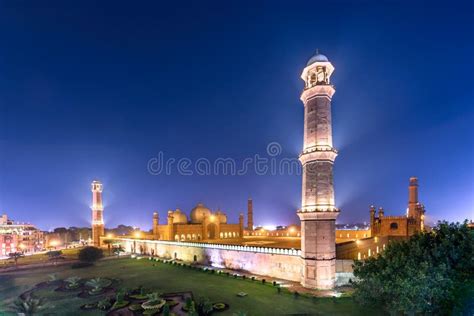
(90, 254)
(219, 306)
(274, 283)
(72, 282)
(97, 284)
(28, 305)
(263, 281)
(104, 304)
(279, 290)
(204, 306)
(166, 310)
(244, 277)
(188, 304)
(253, 278)
(296, 294)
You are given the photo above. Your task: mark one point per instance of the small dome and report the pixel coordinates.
(199, 212)
(317, 57)
(179, 217)
(222, 217)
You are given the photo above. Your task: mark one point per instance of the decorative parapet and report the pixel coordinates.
(276, 251)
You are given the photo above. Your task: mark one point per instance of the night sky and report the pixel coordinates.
(93, 90)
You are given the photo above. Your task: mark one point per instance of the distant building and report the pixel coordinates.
(19, 237)
(404, 225)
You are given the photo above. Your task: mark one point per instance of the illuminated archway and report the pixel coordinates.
(211, 231)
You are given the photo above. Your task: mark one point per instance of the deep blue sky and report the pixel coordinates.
(94, 90)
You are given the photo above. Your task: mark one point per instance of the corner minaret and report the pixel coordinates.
(97, 213)
(249, 214)
(318, 212)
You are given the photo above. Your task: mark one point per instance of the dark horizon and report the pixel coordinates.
(89, 92)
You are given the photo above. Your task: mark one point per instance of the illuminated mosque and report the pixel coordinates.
(202, 225)
(320, 255)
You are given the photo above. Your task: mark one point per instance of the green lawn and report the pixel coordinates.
(261, 299)
(68, 254)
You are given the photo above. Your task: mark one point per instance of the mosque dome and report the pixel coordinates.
(222, 217)
(199, 212)
(179, 217)
(317, 58)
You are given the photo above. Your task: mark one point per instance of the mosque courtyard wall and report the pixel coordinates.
(278, 263)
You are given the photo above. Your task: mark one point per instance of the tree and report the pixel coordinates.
(90, 254)
(419, 275)
(15, 256)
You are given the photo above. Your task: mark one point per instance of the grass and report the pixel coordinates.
(68, 254)
(165, 278)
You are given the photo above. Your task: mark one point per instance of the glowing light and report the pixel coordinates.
(358, 242)
(292, 229)
(54, 243)
(212, 218)
(21, 246)
(137, 234)
(269, 227)
(110, 235)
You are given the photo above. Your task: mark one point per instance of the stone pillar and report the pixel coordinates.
(156, 220)
(98, 229)
(250, 214)
(318, 212)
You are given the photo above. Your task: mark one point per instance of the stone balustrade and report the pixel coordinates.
(277, 251)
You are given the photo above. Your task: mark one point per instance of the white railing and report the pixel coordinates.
(277, 251)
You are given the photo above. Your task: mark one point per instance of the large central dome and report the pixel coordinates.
(199, 212)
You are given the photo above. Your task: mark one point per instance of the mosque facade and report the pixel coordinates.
(202, 225)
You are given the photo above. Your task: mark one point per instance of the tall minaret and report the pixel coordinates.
(318, 211)
(413, 197)
(249, 214)
(97, 210)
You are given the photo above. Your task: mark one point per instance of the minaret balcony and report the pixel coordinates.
(316, 155)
